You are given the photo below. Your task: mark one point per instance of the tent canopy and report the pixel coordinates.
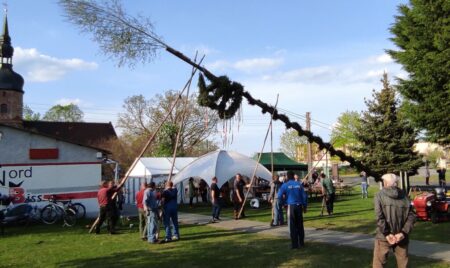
(280, 162)
(148, 167)
(221, 164)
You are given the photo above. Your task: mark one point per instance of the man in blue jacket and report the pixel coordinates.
(151, 204)
(295, 197)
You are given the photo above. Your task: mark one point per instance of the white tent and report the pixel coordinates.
(148, 167)
(155, 169)
(221, 164)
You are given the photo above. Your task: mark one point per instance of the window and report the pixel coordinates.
(3, 108)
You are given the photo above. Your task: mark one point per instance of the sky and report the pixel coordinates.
(322, 57)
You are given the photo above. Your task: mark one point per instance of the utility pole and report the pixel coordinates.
(309, 147)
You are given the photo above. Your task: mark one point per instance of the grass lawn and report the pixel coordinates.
(351, 214)
(200, 246)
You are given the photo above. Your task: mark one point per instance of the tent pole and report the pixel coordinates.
(259, 159)
(150, 140)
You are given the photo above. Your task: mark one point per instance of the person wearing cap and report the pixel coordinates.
(293, 193)
(151, 204)
(395, 221)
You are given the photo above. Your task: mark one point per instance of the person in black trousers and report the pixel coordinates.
(292, 191)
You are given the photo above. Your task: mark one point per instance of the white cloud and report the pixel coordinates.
(257, 64)
(66, 101)
(39, 67)
(254, 65)
(383, 58)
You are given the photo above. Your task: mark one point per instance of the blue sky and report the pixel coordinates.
(324, 57)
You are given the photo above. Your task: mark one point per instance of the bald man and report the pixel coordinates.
(395, 220)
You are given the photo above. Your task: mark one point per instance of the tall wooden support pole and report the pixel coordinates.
(257, 162)
(309, 146)
(150, 140)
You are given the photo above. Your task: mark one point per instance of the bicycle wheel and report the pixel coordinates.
(70, 217)
(80, 210)
(49, 215)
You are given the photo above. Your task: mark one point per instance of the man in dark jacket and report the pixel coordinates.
(395, 220)
(170, 205)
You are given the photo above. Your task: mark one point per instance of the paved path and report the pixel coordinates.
(432, 250)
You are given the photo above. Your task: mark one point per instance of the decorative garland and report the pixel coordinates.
(222, 95)
(226, 97)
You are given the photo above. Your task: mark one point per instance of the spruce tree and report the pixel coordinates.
(422, 34)
(386, 137)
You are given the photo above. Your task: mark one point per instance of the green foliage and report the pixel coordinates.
(422, 34)
(386, 138)
(344, 134)
(290, 141)
(166, 141)
(29, 114)
(64, 113)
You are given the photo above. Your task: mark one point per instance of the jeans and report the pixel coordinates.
(152, 226)
(143, 220)
(364, 187)
(295, 222)
(278, 217)
(216, 209)
(171, 214)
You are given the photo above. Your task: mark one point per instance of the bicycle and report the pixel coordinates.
(79, 208)
(54, 211)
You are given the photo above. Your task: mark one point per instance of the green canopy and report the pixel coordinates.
(280, 162)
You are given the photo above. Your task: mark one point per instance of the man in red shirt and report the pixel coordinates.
(141, 211)
(104, 197)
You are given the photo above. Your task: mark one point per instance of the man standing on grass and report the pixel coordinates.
(277, 205)
(395, 220)
(328, 192)
(105, 202)
(296, 199)
(150, 204)
(170, 205)
(238, 196)
(215, 200)
(142, 213)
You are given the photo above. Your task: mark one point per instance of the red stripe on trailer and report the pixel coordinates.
(69, 196)
(50, 164)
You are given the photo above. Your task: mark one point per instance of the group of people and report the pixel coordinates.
(154, 207)
(394, 215)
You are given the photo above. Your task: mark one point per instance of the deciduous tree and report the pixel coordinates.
(64, 113)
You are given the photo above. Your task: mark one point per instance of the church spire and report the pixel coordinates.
(6, 49)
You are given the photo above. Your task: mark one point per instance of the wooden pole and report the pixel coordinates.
(183, 116)
(150, 140)
(257, 163)
(309, 146)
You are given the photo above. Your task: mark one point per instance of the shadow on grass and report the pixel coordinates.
(233, 249)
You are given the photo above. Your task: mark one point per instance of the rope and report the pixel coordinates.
(257, 163)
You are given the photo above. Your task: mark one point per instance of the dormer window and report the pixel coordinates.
(3, 108)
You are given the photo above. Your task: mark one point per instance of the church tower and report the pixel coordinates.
(11, 83)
